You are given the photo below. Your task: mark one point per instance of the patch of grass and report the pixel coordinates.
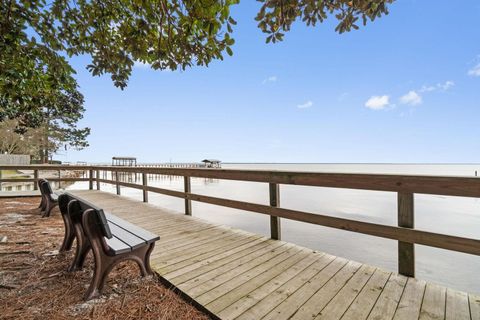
(8, 172)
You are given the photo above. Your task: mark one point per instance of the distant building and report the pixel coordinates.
(212, 163)
(14, 159)
(124, 161)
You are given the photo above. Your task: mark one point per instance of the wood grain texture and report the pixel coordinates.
(235, 274)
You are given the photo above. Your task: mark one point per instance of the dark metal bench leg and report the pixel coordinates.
(82, 249)
(104, 264)
(69, 234)
(146, 259)
(105, 260)
(48, 210)
(42, 204)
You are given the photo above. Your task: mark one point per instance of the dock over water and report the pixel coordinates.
(234, 274)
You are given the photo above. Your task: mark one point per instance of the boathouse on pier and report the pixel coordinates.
(212, 163)
(124, 161)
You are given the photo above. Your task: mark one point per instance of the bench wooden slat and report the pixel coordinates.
(118, 246)
(147, 236)
(130, 239)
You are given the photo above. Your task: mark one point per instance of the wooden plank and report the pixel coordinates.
(406, 251)
(314, 305)
(294, 253)
(145, 184)
(97, 177)
(364, 302)
(174, 248)
(211, 279)
(138, 231)
(407, 235)
(457, 306)
(130, 239)
(222, 251)
(411, 300)
(433, 306)
(387, 303)
(306, 267)
(174, 232)
(297, 290)
(294, 293)
(90, 179)
(474, 301)
(187, 189)
(226, 276)
(432, 239)
(275, 227)
(117, 245)
(231, 258)
(454, 186)
(190, 250)
(344, 298)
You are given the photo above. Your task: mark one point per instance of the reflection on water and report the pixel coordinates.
(450, 215)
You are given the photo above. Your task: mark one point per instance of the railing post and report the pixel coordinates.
(97, 178)
(116, 180)
(406, 251)
(144, 183)
(35, 176)
(90, 179)
(188, 189)
(275, 227)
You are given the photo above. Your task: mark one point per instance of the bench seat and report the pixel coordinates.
(127, 236)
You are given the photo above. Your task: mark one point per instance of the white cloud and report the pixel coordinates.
(427, 88)
(439, 86)
(411, 98)
(475, 71)
(447, 85)
(305, 105)
(270, 79)
(377, 102)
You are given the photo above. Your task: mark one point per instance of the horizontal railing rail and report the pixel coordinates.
(404, 185)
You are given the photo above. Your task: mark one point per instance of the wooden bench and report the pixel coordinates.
(111, 239)
(49, 198)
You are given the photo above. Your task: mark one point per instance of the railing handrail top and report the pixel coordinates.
(426, 184)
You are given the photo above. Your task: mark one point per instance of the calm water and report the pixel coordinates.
(449, 215)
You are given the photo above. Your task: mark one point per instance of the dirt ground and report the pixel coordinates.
(34, 283)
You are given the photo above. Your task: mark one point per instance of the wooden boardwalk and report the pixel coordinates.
(235, 274)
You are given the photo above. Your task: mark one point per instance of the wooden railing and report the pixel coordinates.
(405, 187)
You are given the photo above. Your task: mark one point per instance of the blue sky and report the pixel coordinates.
(405, 88)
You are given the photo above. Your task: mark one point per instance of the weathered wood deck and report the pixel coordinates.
(239, 275)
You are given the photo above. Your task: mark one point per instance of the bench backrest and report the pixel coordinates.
(45, 187)
(100, 215)
(63, 201)
(39, 184)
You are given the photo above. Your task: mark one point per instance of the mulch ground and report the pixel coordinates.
(34, 283)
